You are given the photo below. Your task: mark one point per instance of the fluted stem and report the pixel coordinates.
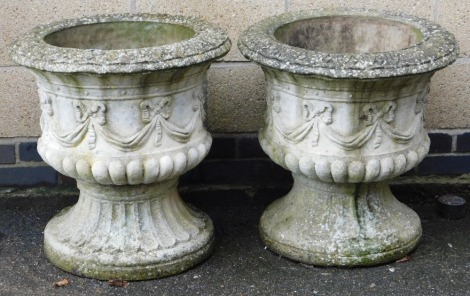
(129, 232)
(340, 224)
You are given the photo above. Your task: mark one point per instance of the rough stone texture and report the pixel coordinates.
(342, 137)
(19, 108)
(18, 17)
(231, 15)
(236, 98)
(448, 100)
(63, 52)
(437, 48)
(118, 109)
(453, 15)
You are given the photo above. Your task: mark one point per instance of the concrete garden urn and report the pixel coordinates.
(122, 99)
(345, 109)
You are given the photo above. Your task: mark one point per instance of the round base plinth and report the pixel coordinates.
(129, 233)
(330, 224)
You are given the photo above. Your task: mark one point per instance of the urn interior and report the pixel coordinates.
(348, 34)
(119, 35)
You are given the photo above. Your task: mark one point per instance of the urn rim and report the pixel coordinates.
(208, 43)
(436, 49)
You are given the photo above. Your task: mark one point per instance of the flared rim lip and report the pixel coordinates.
(208, 43)
(437, 49)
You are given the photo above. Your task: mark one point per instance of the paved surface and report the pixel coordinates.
(240, 265)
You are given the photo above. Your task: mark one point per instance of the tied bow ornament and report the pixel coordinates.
(95, 113)
(372, 115)
(161, 110)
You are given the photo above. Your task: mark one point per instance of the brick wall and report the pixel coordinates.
(20, 164)
(236, 86)
(235, 159)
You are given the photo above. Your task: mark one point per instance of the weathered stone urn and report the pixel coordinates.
(345, 108)
(122, 99)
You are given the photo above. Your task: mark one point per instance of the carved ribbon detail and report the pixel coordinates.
(317, 118)
(198, 105)
(45, 102)
(312, 116)
(372, 114)
(94, 111)
(359, 139)
(90, 116)
(421, 102)
(93, 115)
(154, 112)
(152, 109)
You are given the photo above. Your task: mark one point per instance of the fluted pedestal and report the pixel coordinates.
(122, 99)
(346, 90)
(115, 232)
(340, 224)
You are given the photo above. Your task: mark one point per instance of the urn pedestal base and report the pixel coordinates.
(128, 232)
(345, 111)
(122, 105)
(332, 224)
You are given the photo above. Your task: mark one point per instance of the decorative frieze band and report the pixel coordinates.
(377, 119)
(91, 123)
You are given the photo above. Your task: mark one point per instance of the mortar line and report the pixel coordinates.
(436, 10)
(25, 164)
(154, 6)
(219, 134)
(237, 148)
(454, 144)
(286, 5)
(17, 153)
(226, 64)
(132, 6)
(449, 131)
(462, 61)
